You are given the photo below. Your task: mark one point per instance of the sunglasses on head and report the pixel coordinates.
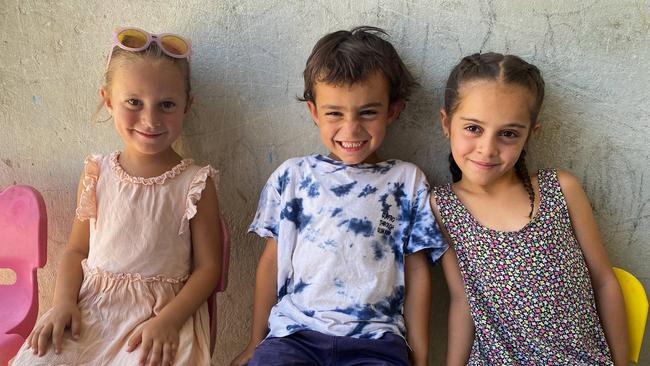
(136, 40)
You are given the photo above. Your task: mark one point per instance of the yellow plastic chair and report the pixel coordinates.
(636, 308)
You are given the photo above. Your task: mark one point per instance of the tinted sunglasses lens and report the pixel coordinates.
(175, 45)
(132, 38)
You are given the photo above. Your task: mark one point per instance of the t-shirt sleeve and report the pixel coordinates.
(425, 233)
(267, 218)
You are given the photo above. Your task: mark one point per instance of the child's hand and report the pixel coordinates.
(158, 340)
(60, 317)
(243, 358)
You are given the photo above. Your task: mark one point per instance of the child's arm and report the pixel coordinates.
(417, 306)
(160, 334)
(609, 300)
(461, 326)
(265, 297)
(460, 332)
(65, 312)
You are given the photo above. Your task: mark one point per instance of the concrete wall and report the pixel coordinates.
(247, 63)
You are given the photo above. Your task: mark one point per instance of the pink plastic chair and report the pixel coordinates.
(23, 249)
(221, 285)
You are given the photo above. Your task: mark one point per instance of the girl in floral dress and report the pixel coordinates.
(529, 278)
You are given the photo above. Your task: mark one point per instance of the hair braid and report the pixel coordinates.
(456, 173)
(522, 173)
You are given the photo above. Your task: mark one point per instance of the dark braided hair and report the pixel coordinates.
(507, 69)
(522, 173)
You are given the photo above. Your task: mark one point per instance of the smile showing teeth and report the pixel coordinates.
(351, 145)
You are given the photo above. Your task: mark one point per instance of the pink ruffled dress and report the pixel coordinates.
(140, 256)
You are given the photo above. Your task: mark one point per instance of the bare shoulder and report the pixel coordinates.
(209, 191)
(208, 204)
(569, 183)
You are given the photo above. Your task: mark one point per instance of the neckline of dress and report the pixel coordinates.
(478, 224)
(160, 179)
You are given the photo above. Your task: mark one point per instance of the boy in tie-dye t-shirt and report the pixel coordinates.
(344, 276)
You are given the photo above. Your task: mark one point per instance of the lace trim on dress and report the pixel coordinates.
(125, 177)
(87, 208)
(194, 194)
(130, 277)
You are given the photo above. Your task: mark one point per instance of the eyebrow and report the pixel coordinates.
(513, 124)
(336, 107)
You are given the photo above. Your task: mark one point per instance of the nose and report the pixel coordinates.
(352, 126)
(488, 145)
(149, 117)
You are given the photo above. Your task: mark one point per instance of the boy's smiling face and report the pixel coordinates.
(352, 119)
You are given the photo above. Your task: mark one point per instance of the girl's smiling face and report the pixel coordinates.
(148, 102)
(489, 129)
(353, 119)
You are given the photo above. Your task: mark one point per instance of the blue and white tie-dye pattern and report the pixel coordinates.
(343, 232)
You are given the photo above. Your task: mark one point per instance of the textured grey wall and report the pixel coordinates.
(247, 63)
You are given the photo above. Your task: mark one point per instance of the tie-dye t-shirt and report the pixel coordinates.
(343, 232)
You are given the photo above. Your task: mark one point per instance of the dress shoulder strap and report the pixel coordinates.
(447, 205)
(551, 195)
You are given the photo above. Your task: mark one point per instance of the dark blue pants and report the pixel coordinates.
(314, 348)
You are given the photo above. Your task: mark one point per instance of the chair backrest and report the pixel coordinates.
(221, 285)
(636, 308)
(23, 248)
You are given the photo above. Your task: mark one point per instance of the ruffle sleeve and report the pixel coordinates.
(194, 194)
(87, 208)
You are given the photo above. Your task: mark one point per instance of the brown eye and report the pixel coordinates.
(167, 105)
(473, 129)
(368, 113)
(510, 134)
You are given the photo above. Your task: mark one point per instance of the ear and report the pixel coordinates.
(535, 129)
(190, 100)
(103, 93)
(395, 109)
(445, 122)
(311, 106)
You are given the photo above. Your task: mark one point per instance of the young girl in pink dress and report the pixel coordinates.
(144, 253)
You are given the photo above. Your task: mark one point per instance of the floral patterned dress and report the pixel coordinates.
(529, 291)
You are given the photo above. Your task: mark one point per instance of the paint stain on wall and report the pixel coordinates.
(34, 100)
(8, 163)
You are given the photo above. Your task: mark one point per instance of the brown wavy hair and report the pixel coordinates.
(347, 57)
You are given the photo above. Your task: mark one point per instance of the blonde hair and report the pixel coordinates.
(154, 54)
